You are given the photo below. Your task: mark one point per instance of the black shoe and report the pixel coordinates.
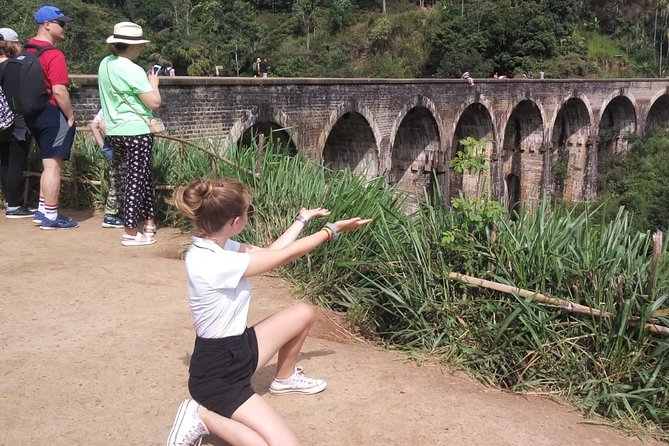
(21, 212)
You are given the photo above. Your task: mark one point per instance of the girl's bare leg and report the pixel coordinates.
(233, 432)
(284, 332)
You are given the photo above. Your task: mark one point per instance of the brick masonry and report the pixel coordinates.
(541, 135)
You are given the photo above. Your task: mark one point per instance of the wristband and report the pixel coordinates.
(302, 219)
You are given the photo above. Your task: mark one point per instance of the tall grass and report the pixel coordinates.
(391, 278)
(608, 365)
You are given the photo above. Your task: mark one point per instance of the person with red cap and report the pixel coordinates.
(54, 126)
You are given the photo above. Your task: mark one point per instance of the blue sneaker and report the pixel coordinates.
(112, 221)
(61, 222)
(38, 217)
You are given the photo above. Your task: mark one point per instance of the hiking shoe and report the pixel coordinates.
(112, 221)
(38, 217)
(20, 212)
(188, 428)
(137, 240)
(298, 383)
(61, 222)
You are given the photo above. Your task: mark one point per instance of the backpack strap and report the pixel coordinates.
(40, 49)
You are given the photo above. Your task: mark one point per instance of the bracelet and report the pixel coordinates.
(331, 230)
(328, 231)
(302, 219)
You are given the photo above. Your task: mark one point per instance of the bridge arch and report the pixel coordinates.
(658, 113)
(475, 121)
(417, 148)
(523, 160)
(571, 142)
(617, 120)
(273, 124)
(351, 140)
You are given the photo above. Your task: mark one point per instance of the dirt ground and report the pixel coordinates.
(95, 340)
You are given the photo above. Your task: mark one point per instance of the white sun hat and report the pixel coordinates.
(127, 32)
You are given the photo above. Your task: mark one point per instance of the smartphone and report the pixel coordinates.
(156, 69)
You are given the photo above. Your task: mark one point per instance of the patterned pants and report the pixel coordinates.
(117, 173)
(139, 194)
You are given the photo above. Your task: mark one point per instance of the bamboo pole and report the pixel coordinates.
(208, 151)
(192, 144)
(542, 298)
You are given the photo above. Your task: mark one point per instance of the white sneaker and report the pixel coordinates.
(298, 383)
(188, 428)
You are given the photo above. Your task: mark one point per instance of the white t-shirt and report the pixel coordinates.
(99, 117)
(218, 296)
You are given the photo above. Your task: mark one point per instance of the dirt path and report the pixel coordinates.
(95, 340)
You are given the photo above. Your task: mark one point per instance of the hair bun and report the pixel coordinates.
(204, 189)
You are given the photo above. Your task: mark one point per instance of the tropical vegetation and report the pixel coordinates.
(375, 38)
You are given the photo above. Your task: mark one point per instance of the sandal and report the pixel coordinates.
(137, 240)
(150, 230)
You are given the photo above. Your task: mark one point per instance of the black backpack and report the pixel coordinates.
(6, 114)
(23, 81)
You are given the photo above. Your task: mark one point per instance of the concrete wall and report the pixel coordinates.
(541, 135)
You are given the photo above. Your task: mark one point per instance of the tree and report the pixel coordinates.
(341, 14)
(223, 33)
(306, 10)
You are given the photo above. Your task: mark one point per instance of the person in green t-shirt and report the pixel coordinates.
(128, 96)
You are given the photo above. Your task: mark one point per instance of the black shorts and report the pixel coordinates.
(221, 370)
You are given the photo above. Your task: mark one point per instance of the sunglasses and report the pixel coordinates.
(250, 211)
(61, 24)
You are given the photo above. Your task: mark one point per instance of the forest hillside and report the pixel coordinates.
(374, 38)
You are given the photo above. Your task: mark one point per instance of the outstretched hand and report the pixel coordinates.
(351, 224)
(313, 213)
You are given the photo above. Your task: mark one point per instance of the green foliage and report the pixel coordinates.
(471, 158)
(645, 196)
(477, 213)
(337, 38)
(226, 32)
(341, 15)
(501, 36)
(379, 35)
(571, 66)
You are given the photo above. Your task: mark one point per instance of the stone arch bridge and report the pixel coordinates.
(541, 135)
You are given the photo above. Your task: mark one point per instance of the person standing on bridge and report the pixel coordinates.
(468, 77)
(128, 95)
(263, 68)
(227, 352)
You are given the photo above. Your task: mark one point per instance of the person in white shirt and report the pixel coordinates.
(227, 353)
(114, 203)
